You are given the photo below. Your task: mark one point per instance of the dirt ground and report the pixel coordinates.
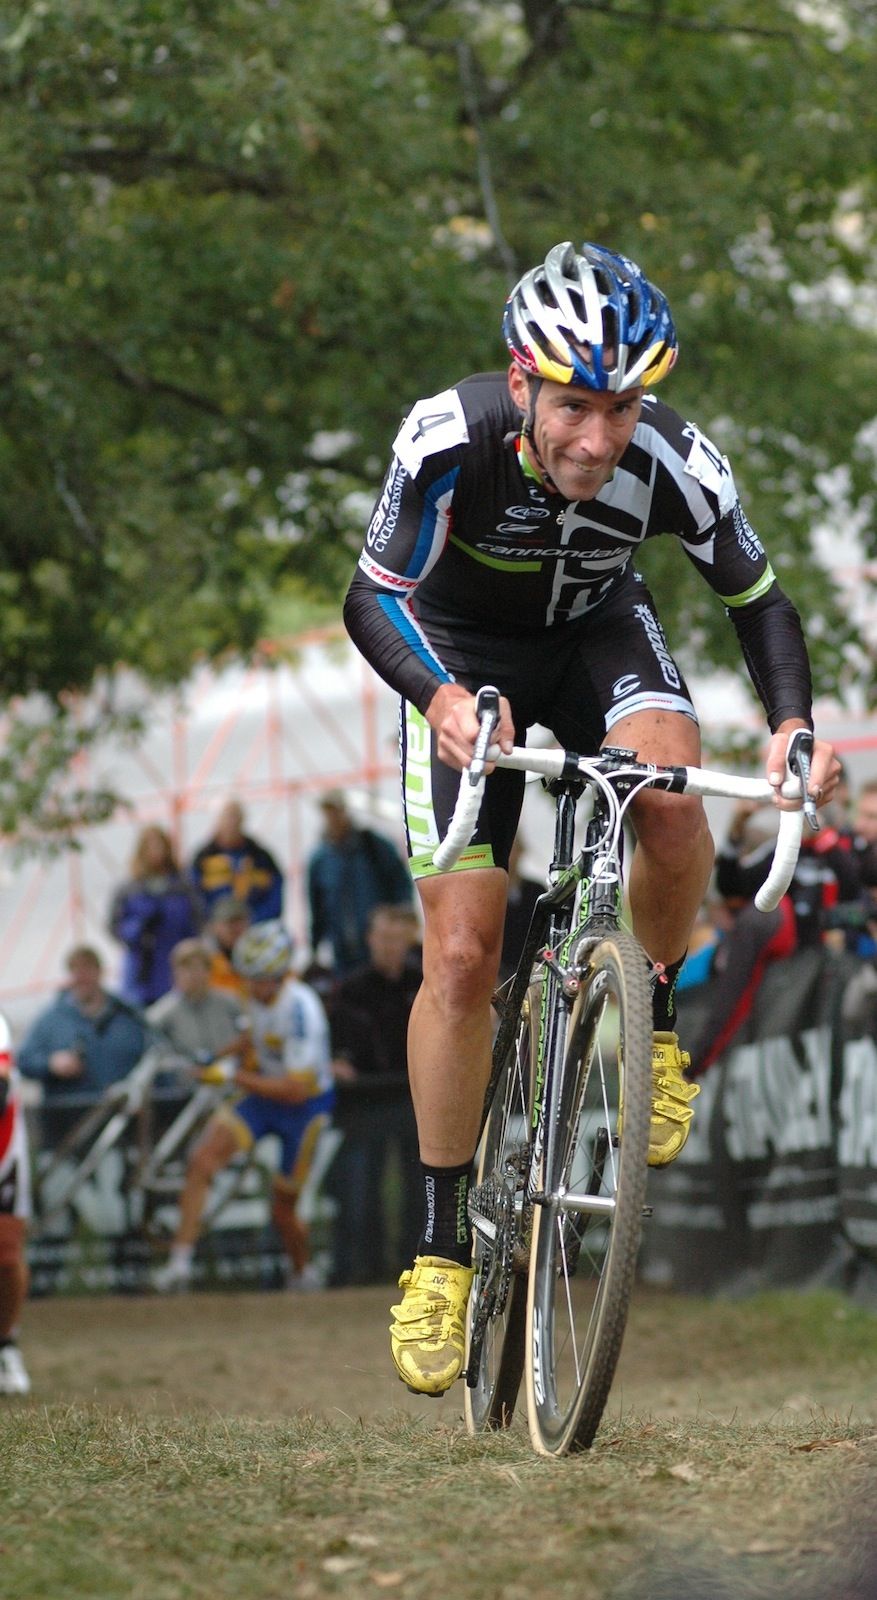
(272, 1355)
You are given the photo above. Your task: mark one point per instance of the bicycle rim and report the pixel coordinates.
(583, 1261)
(490, 1401)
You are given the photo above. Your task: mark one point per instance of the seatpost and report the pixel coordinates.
(566, 792)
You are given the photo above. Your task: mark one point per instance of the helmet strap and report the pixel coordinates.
(527, 433)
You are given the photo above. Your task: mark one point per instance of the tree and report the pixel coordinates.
(242, 235)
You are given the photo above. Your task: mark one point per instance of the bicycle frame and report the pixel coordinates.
(581, 906)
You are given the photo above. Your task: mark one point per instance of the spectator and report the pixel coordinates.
(752, 940)
(198, 1022)
(522, 896)
(233, 863)
(229, 919)
(85, 1040)
(856, 919)
(151, 913)
(368, 1015)
(285, 1080)
(859, 1003)
(14, 1212)
(349, 873)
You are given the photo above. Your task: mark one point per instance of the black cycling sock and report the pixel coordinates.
(447, 1231)
(664, 996)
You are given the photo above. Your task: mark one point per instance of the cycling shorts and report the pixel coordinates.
(297, 1127)
(14, 1164)
(578, 680)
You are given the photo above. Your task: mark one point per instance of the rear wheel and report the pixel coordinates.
(497, 1304)
(586, 1230)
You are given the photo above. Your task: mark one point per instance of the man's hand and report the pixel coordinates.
(65, 1064)
(824, 767)
(451, 715)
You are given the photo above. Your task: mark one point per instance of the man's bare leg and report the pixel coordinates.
(212, 1153)
(449, 1034)
(667, 882)
(673, 858)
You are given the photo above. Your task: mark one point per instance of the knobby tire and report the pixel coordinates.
(582, 1265)
(490, 1403)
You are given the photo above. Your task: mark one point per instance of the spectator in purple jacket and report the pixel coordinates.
(150, 913)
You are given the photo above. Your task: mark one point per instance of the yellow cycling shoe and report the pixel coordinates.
(671, 1094)
(428, 1334)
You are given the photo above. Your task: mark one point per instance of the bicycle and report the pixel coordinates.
(122, 1119)
(559, 1189)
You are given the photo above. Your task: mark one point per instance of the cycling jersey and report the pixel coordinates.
(465, 534)
(14, 1163)
(291, 1037)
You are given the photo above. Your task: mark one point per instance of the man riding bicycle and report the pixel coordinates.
(500, 551)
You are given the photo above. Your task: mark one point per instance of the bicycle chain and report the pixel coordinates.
(494, 1199)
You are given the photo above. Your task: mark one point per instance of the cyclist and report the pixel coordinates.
(14, 1214)
(501, 551)
(286, 1088)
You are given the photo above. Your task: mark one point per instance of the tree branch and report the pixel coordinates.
(485, 177)
(128, 164)
(144, 382)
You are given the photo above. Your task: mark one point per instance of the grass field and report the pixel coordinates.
(258, 1446)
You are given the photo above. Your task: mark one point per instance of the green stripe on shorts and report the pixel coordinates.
(474, 855)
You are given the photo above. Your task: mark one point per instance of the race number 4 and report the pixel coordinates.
(432, 425)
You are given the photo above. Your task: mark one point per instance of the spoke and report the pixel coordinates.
(569, 1311)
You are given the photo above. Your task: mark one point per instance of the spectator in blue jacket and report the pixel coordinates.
(233, 863)
(150, 913)
(86, 1038)
(349, 873)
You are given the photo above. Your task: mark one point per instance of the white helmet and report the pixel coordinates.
(263, 951)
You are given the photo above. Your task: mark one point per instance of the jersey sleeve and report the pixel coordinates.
(727, 552)
(405, 538)
(306, 1049)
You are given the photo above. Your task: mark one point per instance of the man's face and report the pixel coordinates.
(581, 434)
(229, 929)
(230, 825)
(265, 990)
(192, 978)
(866, 816)
(84, 981)
(389, 941)
(336, 823)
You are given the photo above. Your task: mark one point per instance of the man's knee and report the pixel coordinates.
(465, 964)
(672, 827)
(12, 1231)
(210, 1156)
(284, 1198)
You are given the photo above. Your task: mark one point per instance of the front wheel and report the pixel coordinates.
(497, 1304)
(588, 1215)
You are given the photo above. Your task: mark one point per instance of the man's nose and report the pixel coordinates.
(593, 438)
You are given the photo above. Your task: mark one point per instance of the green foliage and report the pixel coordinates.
(232, 229)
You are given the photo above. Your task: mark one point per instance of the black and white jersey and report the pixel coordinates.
(464, 533)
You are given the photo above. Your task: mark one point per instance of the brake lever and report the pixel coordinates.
(487, 711)
(798, 754)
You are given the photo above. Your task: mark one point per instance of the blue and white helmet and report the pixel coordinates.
(263, 951)
(590, 318)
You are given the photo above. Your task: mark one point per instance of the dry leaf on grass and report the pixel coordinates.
(827, 1444)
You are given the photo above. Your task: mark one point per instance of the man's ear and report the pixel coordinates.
(519, 387)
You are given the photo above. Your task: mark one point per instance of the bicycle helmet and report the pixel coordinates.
(590, 318)
(263, 951)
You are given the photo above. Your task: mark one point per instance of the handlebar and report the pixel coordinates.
(680, 780)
